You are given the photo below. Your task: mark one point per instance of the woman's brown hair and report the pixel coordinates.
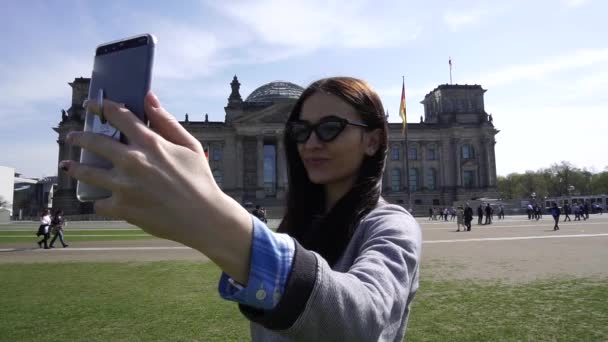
(329, 234)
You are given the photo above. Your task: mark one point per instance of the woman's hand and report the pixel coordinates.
(161, 182)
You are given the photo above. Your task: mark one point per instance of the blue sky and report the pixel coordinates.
(544, 63)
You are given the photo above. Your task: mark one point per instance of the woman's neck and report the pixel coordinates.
(334, 192)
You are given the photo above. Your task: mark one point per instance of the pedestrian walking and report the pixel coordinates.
(460, 219)
(501, 212)
(468, 216)
(57, 224)
(567, 212)
(43, 229)
(488, 214)
(555, 212)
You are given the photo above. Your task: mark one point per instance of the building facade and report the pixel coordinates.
(449, 156)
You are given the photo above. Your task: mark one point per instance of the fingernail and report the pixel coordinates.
(65, 165)
(154, 102)
(85, 103)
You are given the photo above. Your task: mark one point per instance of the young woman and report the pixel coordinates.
(460, 219)
(344, 263)
(43, 229)
(58, 222)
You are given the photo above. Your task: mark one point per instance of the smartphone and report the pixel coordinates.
(122, 72)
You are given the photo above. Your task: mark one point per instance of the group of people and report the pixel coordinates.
(535, 212)
(442, 214)
(581, 211)
(260, 213)
(51, 224)
(464, 215)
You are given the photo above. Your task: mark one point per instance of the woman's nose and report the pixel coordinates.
(313, 141)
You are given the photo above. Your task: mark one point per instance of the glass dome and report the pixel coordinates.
(275, 91)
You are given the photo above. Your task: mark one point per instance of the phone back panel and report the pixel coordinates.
(123, 69)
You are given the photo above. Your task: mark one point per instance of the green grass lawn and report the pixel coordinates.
(77, 235)
(178, 301)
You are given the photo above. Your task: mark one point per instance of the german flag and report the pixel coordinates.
(402, 107)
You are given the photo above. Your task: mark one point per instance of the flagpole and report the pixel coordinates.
(450, 62)
(407, 164)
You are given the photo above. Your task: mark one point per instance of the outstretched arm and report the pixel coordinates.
(161, 182)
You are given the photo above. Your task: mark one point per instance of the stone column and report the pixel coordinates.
(487, 142)
(239, 163)
(457, 151)
(405, 172)
(74, 154)
(281, 168)
(492, 163)
(63, 179)
(423, 180)
(446, 164)
(385, 175)
(482, 161)
(260, 169)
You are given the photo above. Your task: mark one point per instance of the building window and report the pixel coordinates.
(216, 153)
(395, 153)
(435, 202)
(467, 152)
(270, 169)
(418, 201)
(431, 179)
(396, 180)
(413, 153)
(413, 180)
(468, 178)
(431, 153)
(219, 178)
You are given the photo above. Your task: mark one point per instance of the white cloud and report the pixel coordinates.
(459, 19)
(26, 86)
(186, 53)
(304, 26)
(537, 71)
(575, 3)
(523, 142)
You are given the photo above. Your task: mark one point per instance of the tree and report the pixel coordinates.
(506, 186)
(553, 182)
(4, 203)
(599, 183)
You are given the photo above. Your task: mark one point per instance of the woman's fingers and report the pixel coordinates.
(99, 144)
(91, 175)
(120, 117)
(167, 126)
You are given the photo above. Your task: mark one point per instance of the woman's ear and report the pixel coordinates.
(372, 142)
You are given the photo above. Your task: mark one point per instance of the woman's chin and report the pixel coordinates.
(318, 179)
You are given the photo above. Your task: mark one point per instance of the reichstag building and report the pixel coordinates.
(450, 154)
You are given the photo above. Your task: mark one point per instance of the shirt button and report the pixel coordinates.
(260, 295)
(276, 297)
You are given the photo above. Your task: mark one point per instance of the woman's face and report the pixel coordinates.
(338, 161)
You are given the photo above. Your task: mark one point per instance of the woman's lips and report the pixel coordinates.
(315, 161)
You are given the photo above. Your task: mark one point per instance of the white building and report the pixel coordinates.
(7, 181)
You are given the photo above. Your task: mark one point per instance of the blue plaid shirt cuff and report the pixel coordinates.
(270, 265)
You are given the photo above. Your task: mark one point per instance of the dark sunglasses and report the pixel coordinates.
(327, 129)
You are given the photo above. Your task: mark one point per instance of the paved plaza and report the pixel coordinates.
(511, 250)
